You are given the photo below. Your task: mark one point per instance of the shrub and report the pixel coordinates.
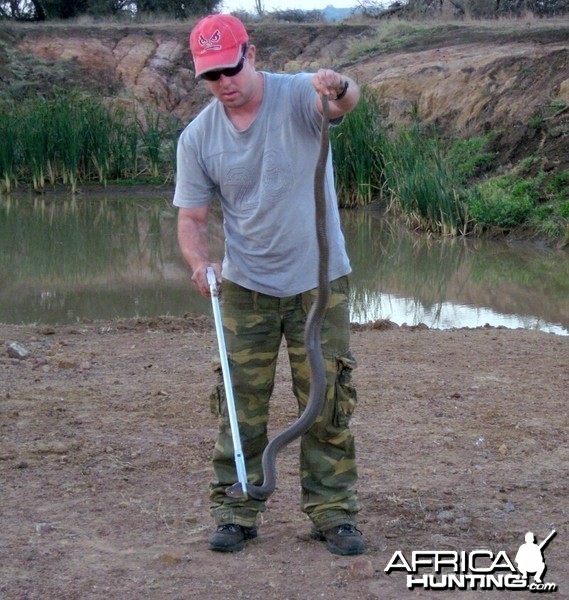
(503, 202)
(468, 159)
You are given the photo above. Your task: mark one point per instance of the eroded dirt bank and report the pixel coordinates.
(467, 78)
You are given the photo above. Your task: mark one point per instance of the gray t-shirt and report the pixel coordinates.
(264, 178)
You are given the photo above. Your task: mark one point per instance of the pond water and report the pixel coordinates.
(97, 257)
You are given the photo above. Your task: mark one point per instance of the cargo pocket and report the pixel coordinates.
(345, 393)
(217, 401)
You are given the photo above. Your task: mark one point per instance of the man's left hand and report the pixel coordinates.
(328, 83)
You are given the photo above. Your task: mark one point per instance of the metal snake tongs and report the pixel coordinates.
(238, 452)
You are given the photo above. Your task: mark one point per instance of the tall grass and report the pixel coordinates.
(73, 139)
(438, 189)
(71, 124)
(151, 140)
(406, 167)
(35, 153)
(421, 184)
(100, 141)
(9, 159)
(358, 147)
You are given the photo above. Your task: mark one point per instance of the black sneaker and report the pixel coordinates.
(343, 539)
(231, 538)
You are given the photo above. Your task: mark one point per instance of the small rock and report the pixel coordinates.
(503, 449)
(445, 516)
(18, 351)
(362, 568)
(66, 364)
(509, 507)
(42, 528)
(52, 447)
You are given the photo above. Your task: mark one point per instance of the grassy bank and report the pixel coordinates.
(441, 187)
(446, 187)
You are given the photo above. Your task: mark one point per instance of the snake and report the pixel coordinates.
(312, 336)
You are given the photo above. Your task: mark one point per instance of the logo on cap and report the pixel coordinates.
(212, 43)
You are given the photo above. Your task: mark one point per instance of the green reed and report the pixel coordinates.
(8, 151)
(406, 167)
(152, 140)
(38, 147)
(101, 136)
(73, 139)
(126, 143)
(421, 185)
(159, 133)
(70, 128)
(357, 152)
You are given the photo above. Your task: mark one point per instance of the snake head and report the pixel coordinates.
(236, 491)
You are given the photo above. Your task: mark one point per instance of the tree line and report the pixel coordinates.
(378, 9)
(45, 10)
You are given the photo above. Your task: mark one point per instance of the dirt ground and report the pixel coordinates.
(106, 438)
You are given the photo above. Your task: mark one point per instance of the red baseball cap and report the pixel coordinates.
(216, 42)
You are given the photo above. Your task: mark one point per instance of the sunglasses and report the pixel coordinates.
(229, 72)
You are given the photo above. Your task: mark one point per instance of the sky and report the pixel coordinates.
(249, 5)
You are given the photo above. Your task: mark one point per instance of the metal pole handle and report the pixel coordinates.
(233, 422)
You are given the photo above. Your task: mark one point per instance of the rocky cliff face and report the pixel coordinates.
(464, 80)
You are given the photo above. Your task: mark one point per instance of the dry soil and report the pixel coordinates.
(106, 438)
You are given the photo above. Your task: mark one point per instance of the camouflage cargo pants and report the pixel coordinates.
(254, 326)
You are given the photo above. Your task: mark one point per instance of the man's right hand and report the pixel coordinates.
(200, 279)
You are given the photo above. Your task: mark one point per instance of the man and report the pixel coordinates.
(530, 559)
(255, 147)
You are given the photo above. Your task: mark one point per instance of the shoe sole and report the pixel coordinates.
(234, 548)
(249, 535)
(344, 552)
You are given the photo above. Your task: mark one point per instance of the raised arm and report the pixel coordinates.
(342, 99)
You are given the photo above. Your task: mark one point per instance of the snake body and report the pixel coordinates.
(312, 337)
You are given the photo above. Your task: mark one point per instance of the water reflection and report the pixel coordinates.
(444, 283)
(103, 258)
